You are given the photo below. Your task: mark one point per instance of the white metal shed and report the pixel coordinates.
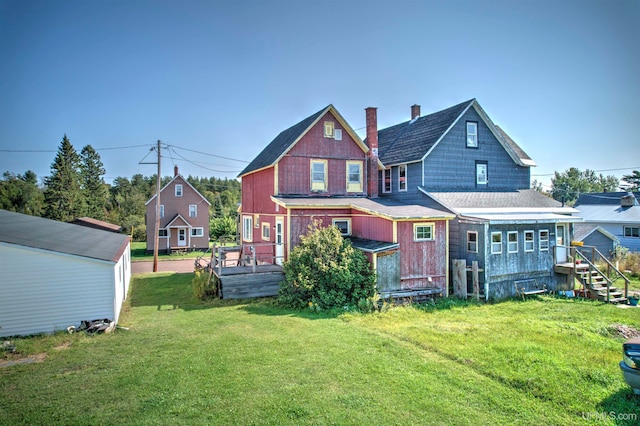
(55, 274)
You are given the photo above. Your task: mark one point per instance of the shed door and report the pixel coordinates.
(388, 271)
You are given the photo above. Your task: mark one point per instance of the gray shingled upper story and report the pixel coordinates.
(61, 237)
(281, 144)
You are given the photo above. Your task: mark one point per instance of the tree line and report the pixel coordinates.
(76, 188)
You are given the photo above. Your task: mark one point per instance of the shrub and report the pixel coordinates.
(326, 272)
(221, 226)
(204, 286)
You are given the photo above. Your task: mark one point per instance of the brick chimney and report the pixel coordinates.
(628, 200)
(415, 111)
(372, 139)
(175, 171)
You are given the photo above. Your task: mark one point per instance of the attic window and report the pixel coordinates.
(472, 134)
(329, 129)
(337, 134)
(178, 190)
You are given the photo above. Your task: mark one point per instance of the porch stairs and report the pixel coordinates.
(600, 288)
(599, 282)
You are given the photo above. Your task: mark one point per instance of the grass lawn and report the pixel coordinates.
(542, 361)
(139, 253)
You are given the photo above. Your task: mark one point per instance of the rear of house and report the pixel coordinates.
(56, 274)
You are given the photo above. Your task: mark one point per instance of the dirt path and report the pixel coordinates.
(180, 266)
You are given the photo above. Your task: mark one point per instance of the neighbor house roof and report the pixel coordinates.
(413, 140)
(61, 237)
(583, 230)
(279, 146)
(177, 177)
(97, 224)
(609, 213)
(603, 198)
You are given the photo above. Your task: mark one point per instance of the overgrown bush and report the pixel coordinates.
(326, 272)
(203, 287)
(629, 261)
(220, 226)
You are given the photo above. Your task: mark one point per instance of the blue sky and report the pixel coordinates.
(224, 78)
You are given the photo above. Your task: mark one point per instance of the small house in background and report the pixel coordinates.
(56, 274)
(96, 224)
(618, 213)
(592, 235)
(184, 218)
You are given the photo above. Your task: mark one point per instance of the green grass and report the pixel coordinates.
(139, 253)
(543, 361)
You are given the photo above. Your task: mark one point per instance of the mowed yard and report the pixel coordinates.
(182, 361)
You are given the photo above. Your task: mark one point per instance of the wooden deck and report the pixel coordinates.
(240, 282)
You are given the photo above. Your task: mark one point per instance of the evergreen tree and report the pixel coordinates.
(632, 181)
(63, 195)
(92, 184)
(568, 185)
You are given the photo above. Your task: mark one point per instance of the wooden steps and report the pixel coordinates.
(597, 286)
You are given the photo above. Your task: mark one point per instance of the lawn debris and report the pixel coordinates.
(625, 331)
(94, 326)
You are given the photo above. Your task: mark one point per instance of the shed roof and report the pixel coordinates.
(61, 237)
(583, 230)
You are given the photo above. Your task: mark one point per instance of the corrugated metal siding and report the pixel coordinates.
(44, 291)
(451, 165)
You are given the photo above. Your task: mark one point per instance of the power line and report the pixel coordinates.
(212, 155)
(200, 165)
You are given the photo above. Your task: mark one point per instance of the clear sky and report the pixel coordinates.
(562, 78)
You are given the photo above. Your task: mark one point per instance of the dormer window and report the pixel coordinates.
(329, 129)
(178, 190)
(472, 134)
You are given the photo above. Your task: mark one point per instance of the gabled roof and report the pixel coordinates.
(278, 147)
(177, 222)
(413, 140)
(583, 230)
(61, 237)
(609, 213)
(178, 176)
(97, 224)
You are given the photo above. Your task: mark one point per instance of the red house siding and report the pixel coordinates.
(423, 259)
(372, 227)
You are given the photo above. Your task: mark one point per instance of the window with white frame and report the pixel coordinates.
(472, 134)
(162, 233)
(319, 175)
(344, 225)
(178, 190)
(512, 242)
(161, 210)
(481, 173)
(543, 240)
(354, 176)
(328, 129)
(496, 242)
(422, 231)
(337, 134)
(266, 231)
(247, 228)
(632, 231)
(402, 177)
(197, 232)
(386, 181)
(529, 244)
(472, 241)
(193, 210)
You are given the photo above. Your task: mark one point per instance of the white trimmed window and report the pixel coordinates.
(496, 242)
(472, 134)
(481, 173)
(472, 241)
(337, 134)
(247, 228)
(386, 181)
(162, 233)
(512, 241)
(266, 231)
(344, 225)
(543, 239)
(422, 231)
(529, 244)
(197, 232)
(402, 177)
(193, 210)
(178, 190)
(354, 176)
(632, 231)
(328, 129)
(161, 210)
(319, 175)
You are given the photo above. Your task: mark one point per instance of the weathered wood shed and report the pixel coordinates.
(56, 274)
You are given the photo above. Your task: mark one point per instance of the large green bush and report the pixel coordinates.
(326, 272)
(222, 226)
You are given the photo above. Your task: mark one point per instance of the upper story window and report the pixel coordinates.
(402, 177)
(344, 225)
(178, 190)
(329, 129)
(319, 175)
(543, 240)
(193, 210)
(422, 231)
(632, 231)
(337, 134)
(529, 244)
(354, 176)
(472, 134)
(472, 241)
(512, 241)
(496, 242)
(161, 210)
(481, 173)
(247, 228)
(386, 181)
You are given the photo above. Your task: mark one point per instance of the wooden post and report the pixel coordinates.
(253, 258)
(476, 279)
(460, 278)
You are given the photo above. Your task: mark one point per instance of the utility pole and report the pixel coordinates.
(157, 230)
